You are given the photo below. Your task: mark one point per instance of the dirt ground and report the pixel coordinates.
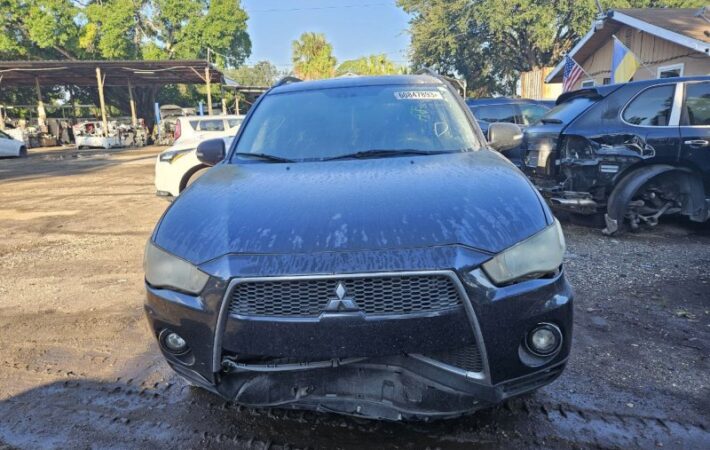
(79, 369)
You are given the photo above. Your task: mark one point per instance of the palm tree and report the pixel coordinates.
(313, 57)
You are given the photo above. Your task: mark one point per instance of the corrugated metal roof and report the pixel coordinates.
(116, 73)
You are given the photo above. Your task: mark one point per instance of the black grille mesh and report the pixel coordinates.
(467, 358)
(399, 294)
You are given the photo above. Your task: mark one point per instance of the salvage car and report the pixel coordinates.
(361, 250)
(10, 147)
(178, 166)
(521, 111)
(634, 152)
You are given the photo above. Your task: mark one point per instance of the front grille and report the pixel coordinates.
(467, 358)
(399, 294)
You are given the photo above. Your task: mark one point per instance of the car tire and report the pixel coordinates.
(23, 152)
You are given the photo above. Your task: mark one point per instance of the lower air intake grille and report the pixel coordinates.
(398, 294)
(467, 358)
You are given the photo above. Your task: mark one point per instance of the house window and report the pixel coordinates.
(676, 70)
(587, 83)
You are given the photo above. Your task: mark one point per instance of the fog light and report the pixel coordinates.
(173, 342)
(545, 339)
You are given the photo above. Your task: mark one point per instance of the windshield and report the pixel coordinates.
(331, 123)
(566, 112)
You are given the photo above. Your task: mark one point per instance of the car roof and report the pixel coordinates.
(354, 81)
(605, 90)
(501, 101)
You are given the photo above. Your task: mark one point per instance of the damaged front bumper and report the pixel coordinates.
(409, 366)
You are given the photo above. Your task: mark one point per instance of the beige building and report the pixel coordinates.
(670, 42)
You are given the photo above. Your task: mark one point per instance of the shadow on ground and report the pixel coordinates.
(69, 161)
(79, 413)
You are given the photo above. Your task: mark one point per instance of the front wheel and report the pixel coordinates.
(633, 206)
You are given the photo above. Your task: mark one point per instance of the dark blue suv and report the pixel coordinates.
(359, 249)
(634, 152)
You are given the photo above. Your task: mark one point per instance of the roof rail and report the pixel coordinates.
(287, 80)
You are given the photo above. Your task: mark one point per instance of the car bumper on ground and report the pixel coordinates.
(407, 365)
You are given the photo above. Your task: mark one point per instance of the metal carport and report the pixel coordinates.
(15, 74)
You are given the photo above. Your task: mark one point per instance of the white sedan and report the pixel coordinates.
(178, 166)
(11, 147)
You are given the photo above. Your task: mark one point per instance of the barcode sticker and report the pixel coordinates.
(418, 95)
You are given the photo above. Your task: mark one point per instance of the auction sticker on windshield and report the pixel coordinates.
(418, 95)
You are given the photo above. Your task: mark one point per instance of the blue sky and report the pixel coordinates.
(354, 27)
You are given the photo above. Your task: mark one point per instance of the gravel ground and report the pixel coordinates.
(78, 367)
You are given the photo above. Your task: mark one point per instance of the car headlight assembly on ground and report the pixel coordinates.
(534, 257)
(163, 270)
(175, 154)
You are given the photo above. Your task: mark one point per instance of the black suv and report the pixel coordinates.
(635, 151)
(521, 111)
(360, 250)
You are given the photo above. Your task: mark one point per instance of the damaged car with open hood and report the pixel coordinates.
(359, 249)
(634, 152)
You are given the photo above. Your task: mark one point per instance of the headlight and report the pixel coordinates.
(175, 154)
(535, 256)
(165, 270)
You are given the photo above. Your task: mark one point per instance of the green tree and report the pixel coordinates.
(313, 57)
(489, 42)
(369, 65)
(126, 29)
(262, 73)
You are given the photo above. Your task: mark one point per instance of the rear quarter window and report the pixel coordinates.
(651, 108)
(697, 104)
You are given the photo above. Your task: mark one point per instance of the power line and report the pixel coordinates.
(314, 8)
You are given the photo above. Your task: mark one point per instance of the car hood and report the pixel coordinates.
(475, 199)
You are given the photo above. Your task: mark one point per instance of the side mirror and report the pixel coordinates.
(504, 136)
(211, 152)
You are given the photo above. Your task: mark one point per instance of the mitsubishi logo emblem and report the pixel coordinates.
(341, 303)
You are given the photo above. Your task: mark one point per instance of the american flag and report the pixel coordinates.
(571, 74)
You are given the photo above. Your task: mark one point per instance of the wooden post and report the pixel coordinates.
(209, 90)
(236, 102)
(41, 113)
(100, 84)
(134, 119)
(224, 106)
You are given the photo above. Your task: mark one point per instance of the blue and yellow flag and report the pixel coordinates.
(623, 63)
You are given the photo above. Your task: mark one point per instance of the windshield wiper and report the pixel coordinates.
(543, 120)
(265, 157)
(379, 153)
